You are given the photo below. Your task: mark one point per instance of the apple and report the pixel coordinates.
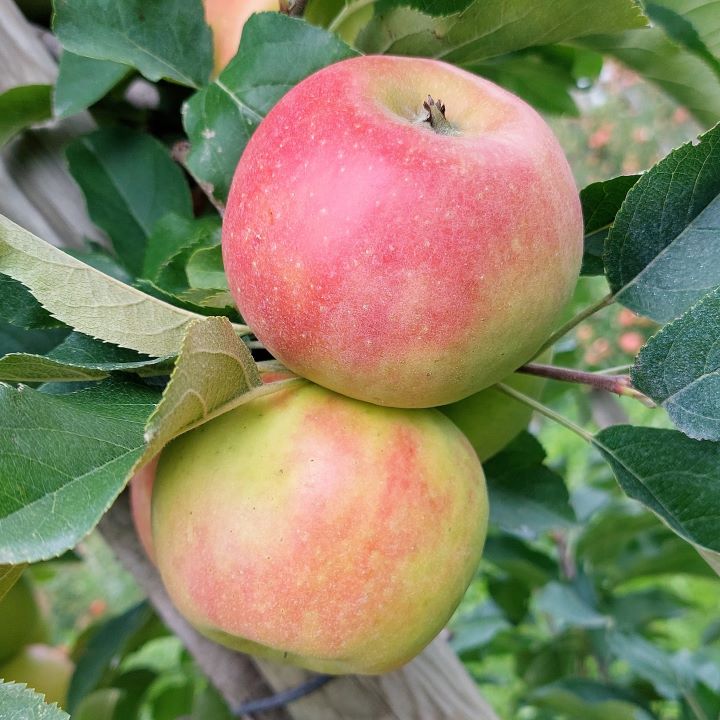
(396, 249)
(226, 19)
(45, 669)
(490, 419)
(141, 486)
(318, 530)
(21, 621)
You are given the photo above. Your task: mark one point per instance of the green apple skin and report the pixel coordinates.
(21, 621)
(395, 262)
(310, 528)
(490, 419)
(43, 668)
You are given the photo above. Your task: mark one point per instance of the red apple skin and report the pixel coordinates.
(313, 529)
(391, 263)
(141, 487)
(226, 19)
(45, 669)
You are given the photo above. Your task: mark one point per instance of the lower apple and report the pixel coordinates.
(318, 530)
(45, 669)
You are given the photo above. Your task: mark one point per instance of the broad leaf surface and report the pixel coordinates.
(679, 368)
(601, 202)
(82, 81)
(19, 307)
(563, 604)
(87, 300)
(676, 477)
(488, 28)
(63, 460)
(205, 269)
(661, 254)
(276, 52)
(526, 498)
(130, 182)
(23, 106)
(20, 703)
(162, 38)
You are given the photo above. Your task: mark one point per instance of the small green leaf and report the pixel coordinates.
(89, 301)
(214, 367)
(63, 460)
(660, 254)
(205, 269)
(82, 81)
(104, 650)
(9, 575)
(567, 609)
(276, 53)
(601, 202)
(676, 477)
(679, 368)
(488, 28)
(23, 106)
(517, 559)
(79, 359)
(129, 182)
(21, 703)
(162, 39)
(526, 498)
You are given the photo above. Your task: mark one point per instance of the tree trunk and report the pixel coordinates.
(37, 192)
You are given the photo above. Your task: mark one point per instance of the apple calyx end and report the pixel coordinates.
(436, 117)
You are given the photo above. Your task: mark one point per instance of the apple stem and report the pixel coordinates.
(573, 322)
(436, 117)
(618, 384)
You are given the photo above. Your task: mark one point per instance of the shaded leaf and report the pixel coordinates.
(676, 477)
(679, 368)
(601, 202)
(519, 560)
(567, 609)
(162, 39)
(21, 703)
(89, 301)
(63, 460)
(130, 182)
(23, 106)
(660, 255)
(9, 575)
(205, 269)
(19, 307)
(526, 498)
(275, 54)
(82, 81)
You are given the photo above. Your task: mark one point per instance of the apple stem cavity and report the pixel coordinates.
(436, 117)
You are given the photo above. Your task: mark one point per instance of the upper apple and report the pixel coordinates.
(399, 258)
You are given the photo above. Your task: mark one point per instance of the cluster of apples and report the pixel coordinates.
(400, 254)
(24, 655)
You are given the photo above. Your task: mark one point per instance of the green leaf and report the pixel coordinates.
(519, 560)
(19, 307)
(63, 460)
(23, 106)
(205, 269)
(21, 703)
(78, 359)
(526, 498)
(679, 368)
(82, 81)
(15, 340)
(104, 650)
(129, 182)
(660, 254)
(89, 301)
(476, 630)
(9, 575)
(214, 368)
(488, 28)
(275, 54)
(635, 610)
(601, 202)
(678, 72)
(567, 609)
(682, 31)
(162, 39)
(676, 477)
(588, 700)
